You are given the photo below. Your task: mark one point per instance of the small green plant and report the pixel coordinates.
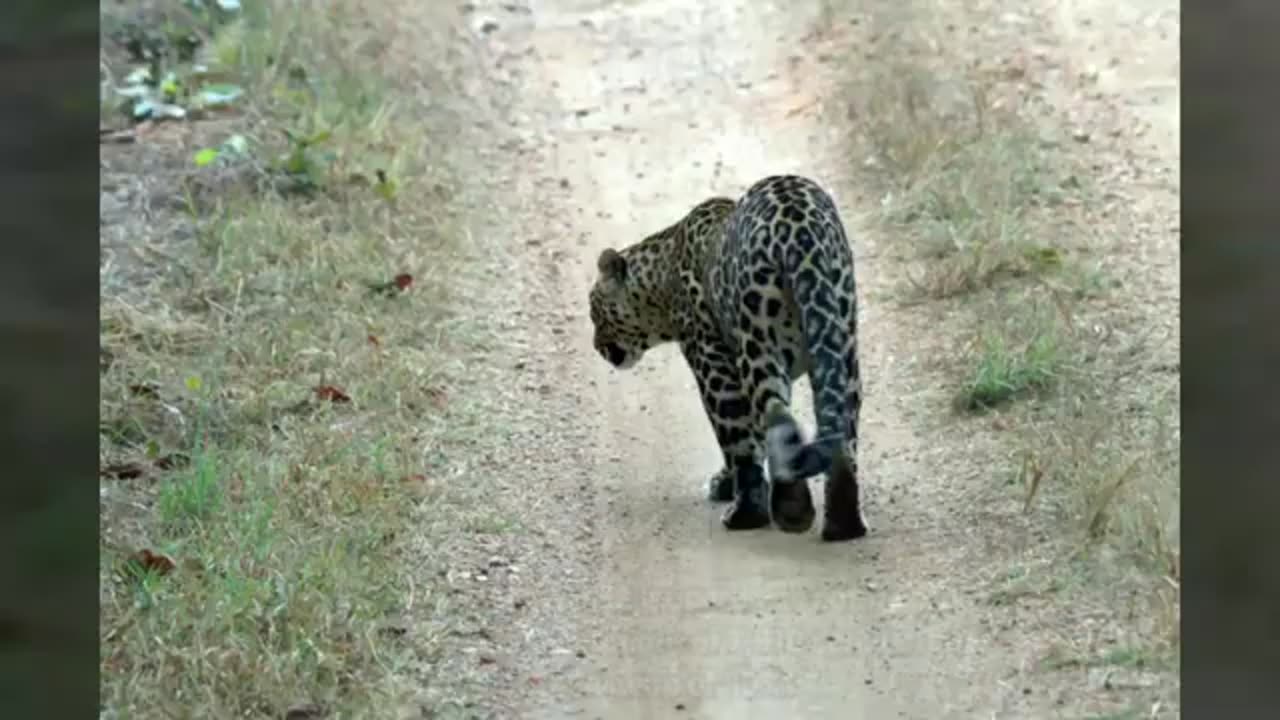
(1123, 657)
(1011, 362)
(1130, 657)
(385, 187)
(234, 146)
(193, 495)
(304, 164)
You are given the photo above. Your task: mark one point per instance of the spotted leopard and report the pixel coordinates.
(758, 292)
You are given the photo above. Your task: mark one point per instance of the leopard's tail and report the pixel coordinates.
(826, 333)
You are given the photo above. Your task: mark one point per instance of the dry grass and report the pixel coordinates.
(1102, 456)
(968, 180)
(977, 198)
(286, 512)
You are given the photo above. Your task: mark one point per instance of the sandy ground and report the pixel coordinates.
(631, 601)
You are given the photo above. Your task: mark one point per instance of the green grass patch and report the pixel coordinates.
(1132, 658)
(279, 406)
(1021, 348)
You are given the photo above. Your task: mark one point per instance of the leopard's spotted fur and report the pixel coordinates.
(758, 293)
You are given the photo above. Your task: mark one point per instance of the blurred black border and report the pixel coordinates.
(48, 359)
(1231, 355)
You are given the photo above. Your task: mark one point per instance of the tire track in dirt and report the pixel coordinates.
(629, 113)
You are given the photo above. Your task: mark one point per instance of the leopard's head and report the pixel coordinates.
(627, 321)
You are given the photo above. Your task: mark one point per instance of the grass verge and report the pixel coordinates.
(980, 196)
(276, 396)
(968, 180)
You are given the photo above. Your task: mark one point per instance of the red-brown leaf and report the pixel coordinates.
(332, 394)
(158, 563)
(403, 281)
(373, 340)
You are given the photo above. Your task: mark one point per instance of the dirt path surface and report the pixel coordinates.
(687, 617)
(637, 603)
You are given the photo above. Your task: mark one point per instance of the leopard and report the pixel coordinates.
(758, 292)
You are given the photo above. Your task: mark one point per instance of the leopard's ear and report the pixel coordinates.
(612, 265)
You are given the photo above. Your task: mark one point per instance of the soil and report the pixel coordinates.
(633, 601)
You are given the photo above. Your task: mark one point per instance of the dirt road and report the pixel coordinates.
(641, 605)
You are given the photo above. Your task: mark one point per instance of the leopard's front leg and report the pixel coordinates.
(720, 486)
(724, 399)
